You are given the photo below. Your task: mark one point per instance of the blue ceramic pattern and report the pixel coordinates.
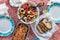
(12, 29)
(36, 39)
(48, 9)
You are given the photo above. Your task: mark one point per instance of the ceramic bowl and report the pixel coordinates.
(32, 21)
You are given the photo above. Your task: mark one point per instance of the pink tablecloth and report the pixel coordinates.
(13, 11)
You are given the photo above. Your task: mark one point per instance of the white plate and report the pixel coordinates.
(12, 3)
(54, 11)
(6, 25)
(46, 35)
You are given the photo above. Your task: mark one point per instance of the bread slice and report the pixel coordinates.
(39, 29)
(45, 28)
(46, 23)
(42, 27)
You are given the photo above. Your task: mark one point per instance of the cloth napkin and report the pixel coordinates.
(3, 9)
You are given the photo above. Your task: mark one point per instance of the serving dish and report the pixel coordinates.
(6, 25)
(21, 32)
(28, 13)
(54, 11)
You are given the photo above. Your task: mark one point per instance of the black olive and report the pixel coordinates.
(34, 7)
(41, 13)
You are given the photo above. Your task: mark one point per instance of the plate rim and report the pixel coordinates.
(12, 28)
(48, 9)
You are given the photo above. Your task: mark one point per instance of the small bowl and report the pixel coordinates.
(32, 21)
(12, 3)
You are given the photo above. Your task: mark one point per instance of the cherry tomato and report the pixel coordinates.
(33, 12)
(25, 6)
(26, 10)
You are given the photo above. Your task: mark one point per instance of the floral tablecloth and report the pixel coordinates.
(13, 14)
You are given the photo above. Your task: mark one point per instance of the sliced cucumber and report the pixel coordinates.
(33, 18)
(21, 15)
